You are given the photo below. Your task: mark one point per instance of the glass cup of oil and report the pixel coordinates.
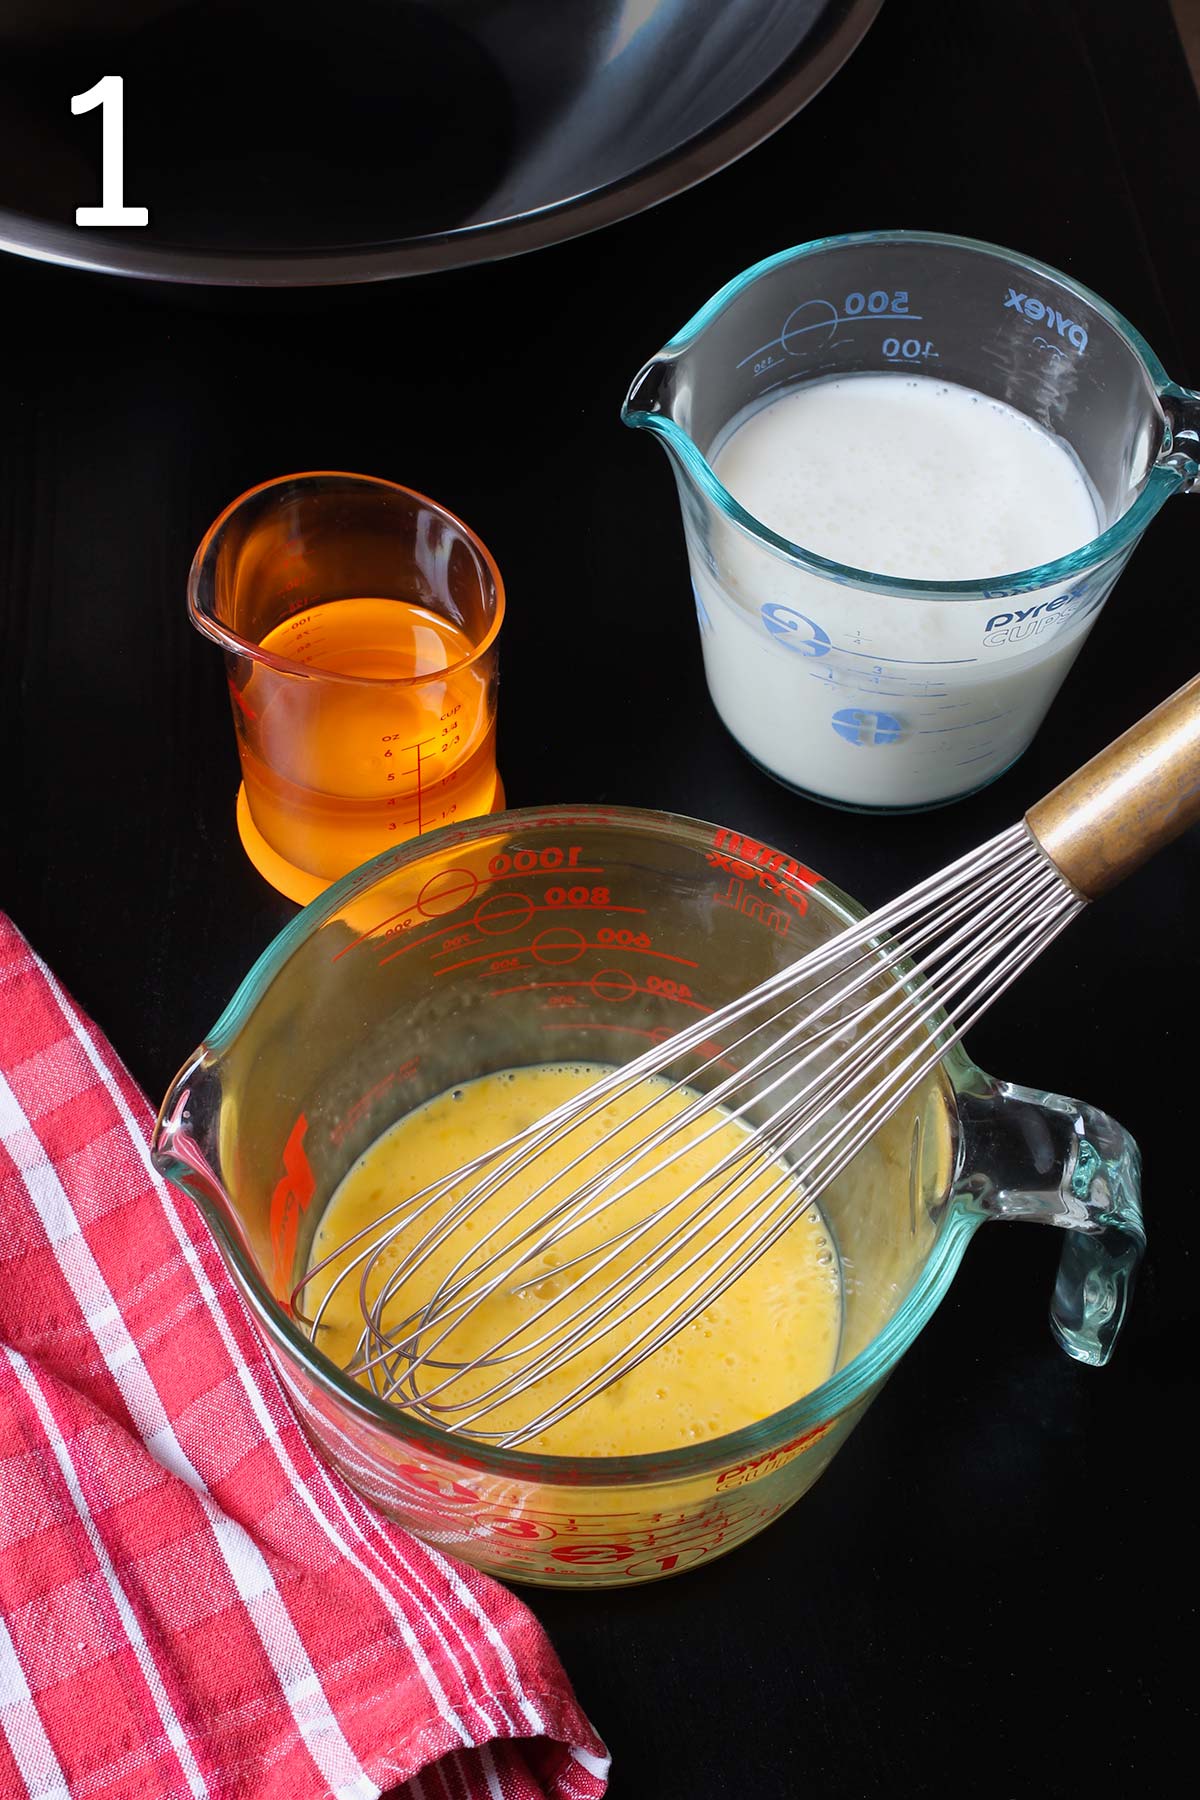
(359, 622)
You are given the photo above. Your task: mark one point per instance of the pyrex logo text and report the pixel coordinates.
(1036, 311)
(1019, 614)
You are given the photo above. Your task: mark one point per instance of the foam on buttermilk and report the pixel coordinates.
(905, 475)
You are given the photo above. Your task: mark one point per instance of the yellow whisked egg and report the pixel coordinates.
(771, 1337)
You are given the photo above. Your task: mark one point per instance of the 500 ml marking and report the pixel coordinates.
(877, 304)
(824, 315)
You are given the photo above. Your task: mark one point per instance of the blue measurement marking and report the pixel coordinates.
(867, 729)
(910, 662)
(971, 725)
(795, 630)
(804, 637)
(983, 754)
(781, 342)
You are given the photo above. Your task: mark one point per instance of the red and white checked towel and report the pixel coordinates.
(190, 1602)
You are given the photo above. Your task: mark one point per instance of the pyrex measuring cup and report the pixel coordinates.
(873, 692)
(581, 933)
(359, 623)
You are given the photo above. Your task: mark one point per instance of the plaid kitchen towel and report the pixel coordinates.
(190, 1602)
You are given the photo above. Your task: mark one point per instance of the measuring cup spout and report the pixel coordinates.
(184, 1145)
(650, 393)
(661, 400)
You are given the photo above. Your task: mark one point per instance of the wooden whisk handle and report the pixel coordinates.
(1137, 795)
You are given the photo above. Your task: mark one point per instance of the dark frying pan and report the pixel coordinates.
(297, 142)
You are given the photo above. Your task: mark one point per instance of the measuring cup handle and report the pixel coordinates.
(1042, 1157)
(1182, 407)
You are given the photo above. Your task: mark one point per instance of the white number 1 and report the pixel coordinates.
(109, 95)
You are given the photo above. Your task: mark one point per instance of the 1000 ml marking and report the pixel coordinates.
(521, 861)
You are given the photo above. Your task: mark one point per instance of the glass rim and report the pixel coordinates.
(1160, 483)
(822, 1405)
(213, 628)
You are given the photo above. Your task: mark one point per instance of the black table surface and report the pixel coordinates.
(989, 1585)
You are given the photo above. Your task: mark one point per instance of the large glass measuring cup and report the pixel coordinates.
(873, 692)
(583, 933)
(359, 623)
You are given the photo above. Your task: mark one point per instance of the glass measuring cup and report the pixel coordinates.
(866, 691)
(584, 933)
(359, 622)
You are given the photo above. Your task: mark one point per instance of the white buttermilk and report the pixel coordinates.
(876, 698)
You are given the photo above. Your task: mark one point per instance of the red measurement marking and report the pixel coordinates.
(525, 1529)
(524, 861)
(487, 956)
(616, 985)
(750, 851)
(745, 859)
(494, 916)
(442, 891)
(430, 1481)
(662, 955)
(626, 949)
(771, 1460)
(239, 700)
(292, 1195)
(592, 1553)
(664, 1563)
(362, 1105)
(558, 944)
(480, 881)
(411, 944)
(543, 872)
(426, 937)
(370, 934)
(626, 993)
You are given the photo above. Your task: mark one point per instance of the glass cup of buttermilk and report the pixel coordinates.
(911, 468)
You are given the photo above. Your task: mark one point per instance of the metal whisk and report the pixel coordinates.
(827, 1050)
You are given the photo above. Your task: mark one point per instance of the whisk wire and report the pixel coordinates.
(816, 1179)
(569, 1216)
(851, 1031)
